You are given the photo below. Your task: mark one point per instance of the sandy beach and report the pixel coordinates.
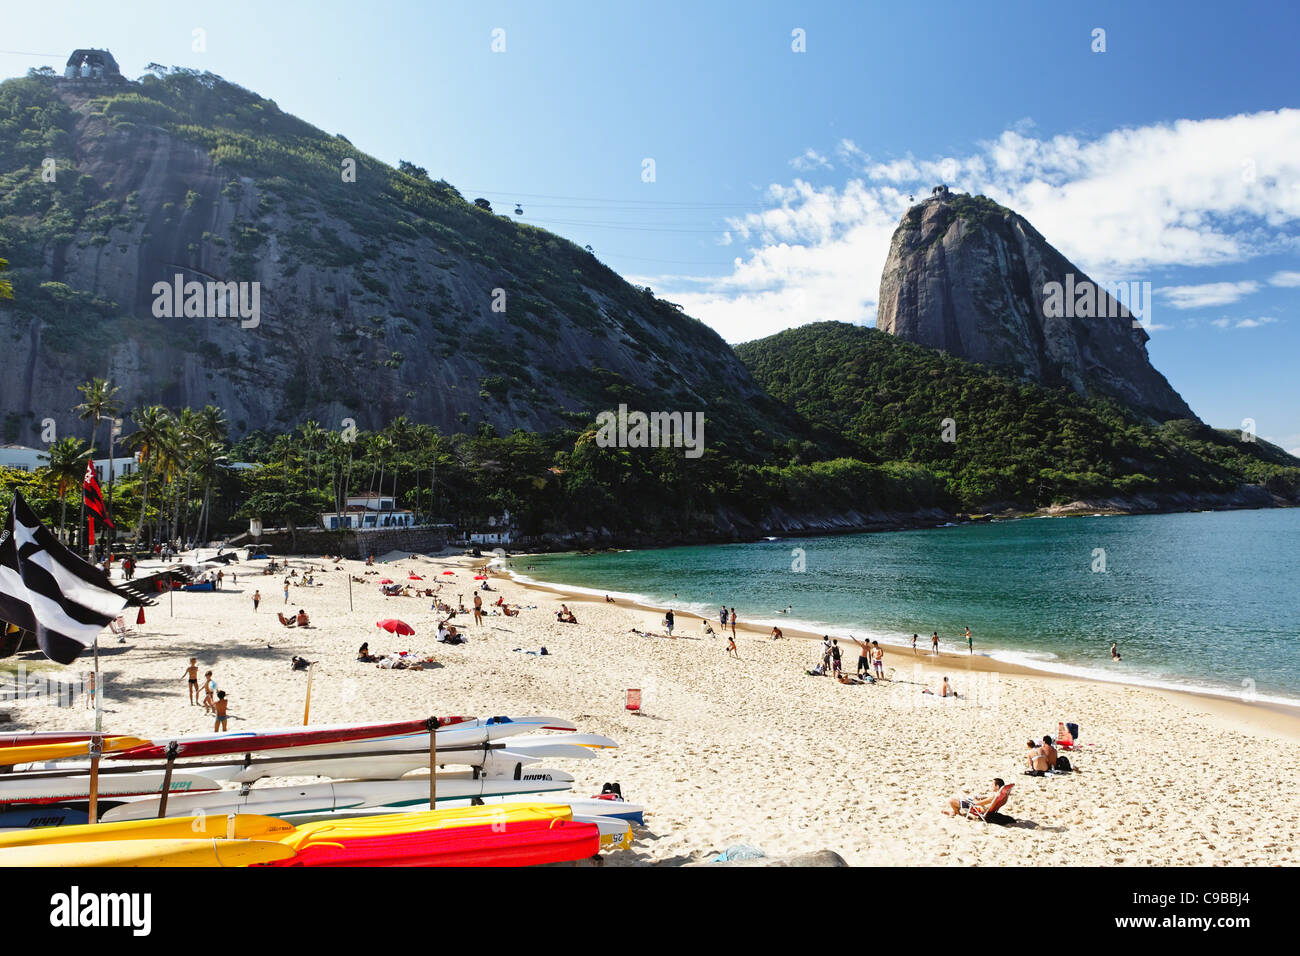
(731, 751)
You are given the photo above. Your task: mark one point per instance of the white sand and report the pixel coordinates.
(742, 751)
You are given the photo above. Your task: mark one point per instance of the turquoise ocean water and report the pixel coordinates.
(1207, 601)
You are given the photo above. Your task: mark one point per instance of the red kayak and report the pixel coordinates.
(516, 843)
(40, 738)
(236, 743)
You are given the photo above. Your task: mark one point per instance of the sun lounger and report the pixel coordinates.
(287, 621)
(998, 802)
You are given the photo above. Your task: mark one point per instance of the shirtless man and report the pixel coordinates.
(192, 672)
(960, 806)
(934, 643)
(878, 659)
(478, 609)
(864, 656)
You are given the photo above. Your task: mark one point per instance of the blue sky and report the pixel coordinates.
(1172, 158)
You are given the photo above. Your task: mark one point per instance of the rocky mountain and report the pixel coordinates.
(378, 291)
(976, 280)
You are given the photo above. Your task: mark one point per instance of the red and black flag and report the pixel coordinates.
(94, 501)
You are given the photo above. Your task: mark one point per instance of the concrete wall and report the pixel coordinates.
(352, 544)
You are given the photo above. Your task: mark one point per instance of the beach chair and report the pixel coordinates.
(998, 803)
(633, 700)
(1066, 735)
(120, 628)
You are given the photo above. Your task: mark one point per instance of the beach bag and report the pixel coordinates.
(1063, 764)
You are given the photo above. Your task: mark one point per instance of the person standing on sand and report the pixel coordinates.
(286, 590)
(257, 599)
(668, 621)
(220, 577)
(970, 641)
(722, 617)
(836, 654)
(864, 656)
(219, 725)
(209, 691)
(192, 672)
(914, 644)
(934, 643)
(878, 659)
(733, 623)
(478, 609)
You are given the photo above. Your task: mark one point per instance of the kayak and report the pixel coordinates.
(206, 745)
(20, 788)
(148, 853)
(345, 795)
(514, 834)
(25, 816)
(32, 737)
(349, 738)
(523, 751)
(243, 826)
(36, 753)
(614, 834)
(521, 843)
(615, 809)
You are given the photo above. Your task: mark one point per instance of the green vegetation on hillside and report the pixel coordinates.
(1015, 443)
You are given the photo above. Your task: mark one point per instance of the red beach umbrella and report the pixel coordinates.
(448, 572)
(385, 580)
(415, 577)
(394, 626)
(480, 577)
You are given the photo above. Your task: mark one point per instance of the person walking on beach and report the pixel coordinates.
(878, 659)
(221, 575)
(219, 725)
(914, 644)
(192, 672)
(668, 622)
(257, 599)
(970, 641)
(90, 698)
(934, 643)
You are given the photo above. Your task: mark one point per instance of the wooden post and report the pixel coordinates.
(433, 762)
(349, 571)
(171, 600)
(167, 779)
(306, 711)
(96, 749)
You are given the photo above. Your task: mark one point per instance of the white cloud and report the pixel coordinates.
(1226, 323)
(809, 160)
(1210, 293)
(1285, 279)
(1119, 205)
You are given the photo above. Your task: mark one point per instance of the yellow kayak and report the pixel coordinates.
(12, 756)
(148, 853)
(241, 826)
(391, 824)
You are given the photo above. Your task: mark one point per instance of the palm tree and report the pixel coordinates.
(153, 422)
(68, 459)
(209, 461)
(100, 402)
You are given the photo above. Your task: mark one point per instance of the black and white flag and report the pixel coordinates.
(47, 589)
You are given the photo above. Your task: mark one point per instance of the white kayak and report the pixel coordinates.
(22, 788)
(619, 809)
(500, 763)
(345, 795)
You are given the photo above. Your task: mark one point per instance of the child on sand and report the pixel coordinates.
(210, 689)
(219, 724)
(192, 672)
(731, 646)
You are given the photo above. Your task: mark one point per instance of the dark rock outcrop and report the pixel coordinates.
(975, 279)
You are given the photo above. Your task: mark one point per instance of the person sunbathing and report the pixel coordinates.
(1042, 758)
(364, 655)
(302, 618)
(286, 621)
(960, 806)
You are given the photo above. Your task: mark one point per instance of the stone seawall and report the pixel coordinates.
(352, 544)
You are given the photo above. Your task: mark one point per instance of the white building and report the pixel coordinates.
(368, 511)
(23, 458)
(497, 533)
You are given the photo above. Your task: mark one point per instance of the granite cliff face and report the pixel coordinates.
(383, 294)
(975, 279)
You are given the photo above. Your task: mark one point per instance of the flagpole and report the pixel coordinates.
(99, 692)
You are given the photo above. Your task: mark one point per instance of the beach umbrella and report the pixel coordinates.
(394, 626)
(480, 577)
(415, 577)
(448, 572)
(385, 580)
